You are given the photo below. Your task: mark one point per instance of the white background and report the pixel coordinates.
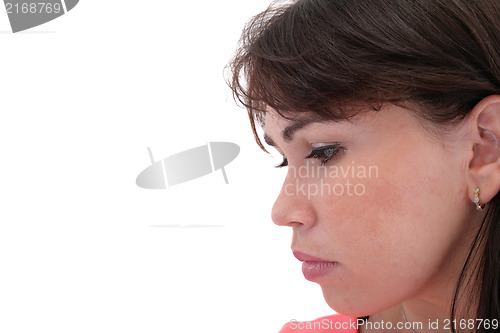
(82, 248)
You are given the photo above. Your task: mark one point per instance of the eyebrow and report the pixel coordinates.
(290, 130)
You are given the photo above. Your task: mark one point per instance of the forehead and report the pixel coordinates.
(284, 125)
(299, 120)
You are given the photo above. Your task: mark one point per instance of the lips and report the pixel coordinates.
(305, 257)
(315, 268)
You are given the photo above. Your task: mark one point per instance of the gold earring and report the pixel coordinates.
(476, 199)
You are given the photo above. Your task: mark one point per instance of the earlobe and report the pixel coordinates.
(484, 167)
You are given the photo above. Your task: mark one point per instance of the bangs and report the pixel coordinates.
(279, 66)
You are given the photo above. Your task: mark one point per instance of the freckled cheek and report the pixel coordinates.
(381, 219)
(366, 208)
(370, 231)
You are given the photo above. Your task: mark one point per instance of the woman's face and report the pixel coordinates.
(379, 197)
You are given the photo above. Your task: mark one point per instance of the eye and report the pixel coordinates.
(324, 153)
(282, 164)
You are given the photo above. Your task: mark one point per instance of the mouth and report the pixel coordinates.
(315, 268)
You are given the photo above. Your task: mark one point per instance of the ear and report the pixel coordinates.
(484, 166)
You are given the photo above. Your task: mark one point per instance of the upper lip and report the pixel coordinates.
(306, 257)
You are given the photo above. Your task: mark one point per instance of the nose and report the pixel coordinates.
(293, 206)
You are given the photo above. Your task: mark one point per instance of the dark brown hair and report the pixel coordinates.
(329, 57)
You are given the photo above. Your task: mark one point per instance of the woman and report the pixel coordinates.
(409, 89)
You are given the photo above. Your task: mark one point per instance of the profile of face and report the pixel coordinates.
(391, 212)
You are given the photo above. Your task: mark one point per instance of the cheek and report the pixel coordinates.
(402, 195)
(394, 237)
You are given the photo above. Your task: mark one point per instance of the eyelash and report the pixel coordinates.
(282, 164)
(324, 154)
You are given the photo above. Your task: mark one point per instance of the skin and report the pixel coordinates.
(405, 239)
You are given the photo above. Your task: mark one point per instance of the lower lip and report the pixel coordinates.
(314, 270)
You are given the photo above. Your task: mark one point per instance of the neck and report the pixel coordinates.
(421, 317)
(426, 317)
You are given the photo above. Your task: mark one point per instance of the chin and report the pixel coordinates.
(347, 307)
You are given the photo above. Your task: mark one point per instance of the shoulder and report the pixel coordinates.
(335, 323)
